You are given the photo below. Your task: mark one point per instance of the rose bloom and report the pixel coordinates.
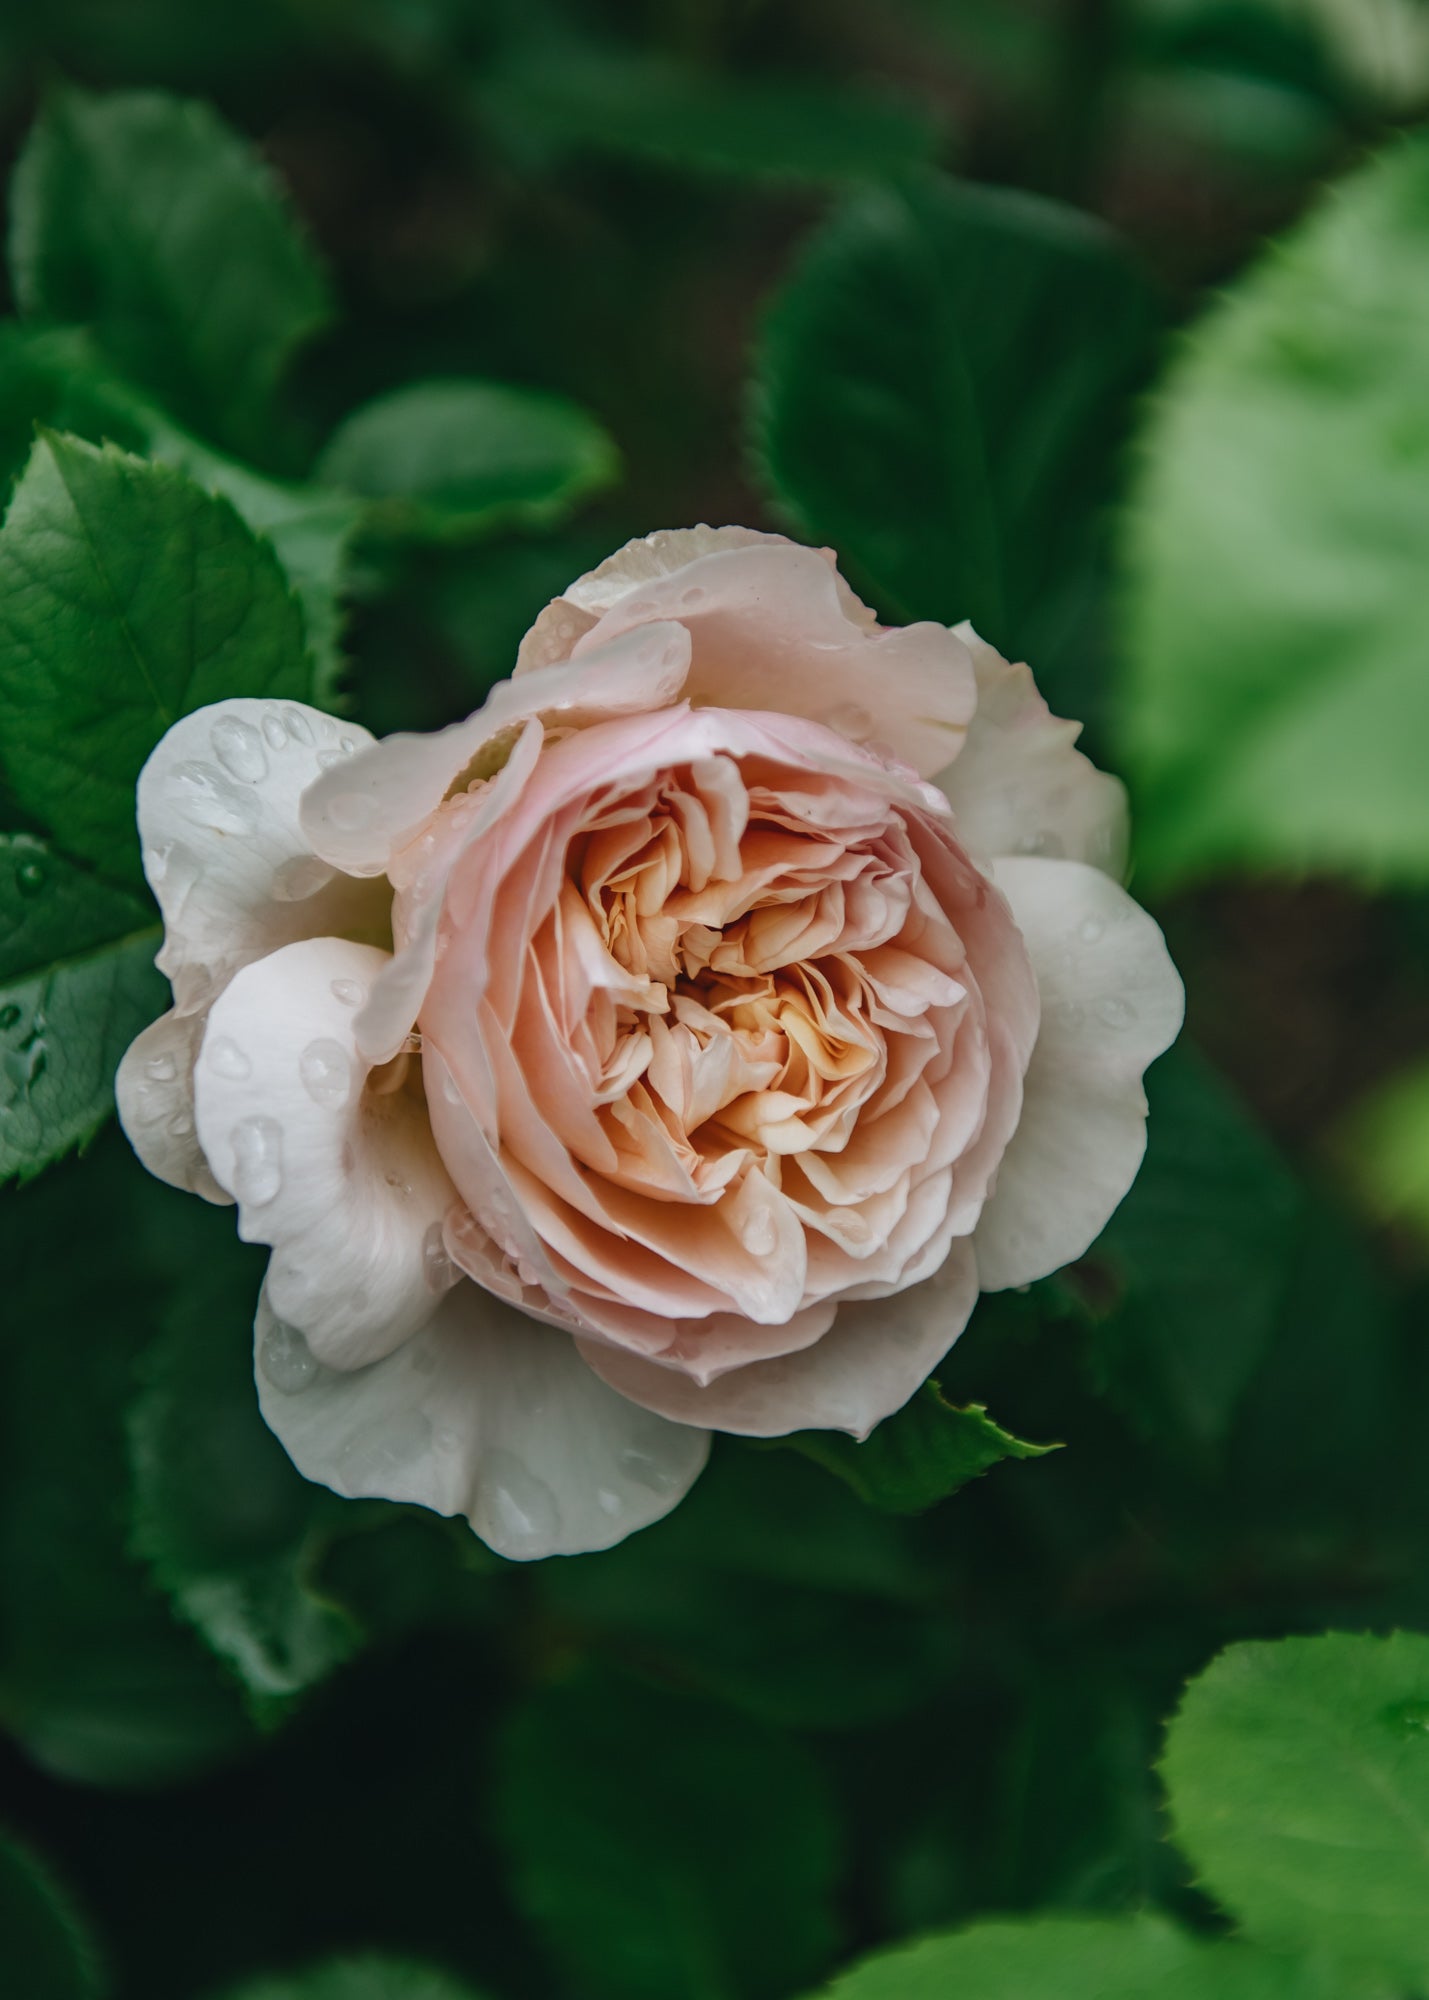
(678, 1044)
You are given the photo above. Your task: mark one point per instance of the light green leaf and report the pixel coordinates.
(47, 1950)
(77, 983)
(941, 384)
(365, 1978)
(1298, 1774)
(1275, 706)
(1085, 1958)
(457, 458)
(918, 1456)
(145, 218)
(127, 598)
(1385, 1148)
(661, 1846)
(776, 128)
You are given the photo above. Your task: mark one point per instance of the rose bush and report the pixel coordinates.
(677, 1044)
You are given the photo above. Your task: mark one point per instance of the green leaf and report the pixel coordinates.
(661, 1846)
(918, 1456)
(77, 983)
(1185, 1284)
(147, 219)
(365, 1978)
(231, 1530)
(1298, 1774)
(455, 459)
(1084, 1958)
(127, 598)
(1385, 1149)
(58, 380)
(48, 1952)
(941, 385)
(1275, 705)
(776, 128)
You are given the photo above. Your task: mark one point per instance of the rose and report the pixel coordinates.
(677, 1044)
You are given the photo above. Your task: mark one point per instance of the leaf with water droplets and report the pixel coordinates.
(1298, 1774)
(76, 985)
(127, 598)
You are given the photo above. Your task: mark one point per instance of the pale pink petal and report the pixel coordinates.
(336, 1169)
(483, 1413)
(876, 1355)
(154, 1091)
(1112, 1001)
(1020, 786)
(775, 627)
(226, 856)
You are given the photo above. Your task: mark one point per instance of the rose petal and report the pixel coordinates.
(876, 1355)
(1019, 786)
(154, 1091)
(1112, 1001)
(343, 1180)
(483, 1413)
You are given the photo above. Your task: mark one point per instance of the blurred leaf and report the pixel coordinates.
(77, 983)
(784, 129)
(147, 219)
(941, 388)
(661, 1846)
(230, 1528)
(470, 457)
(1275, 707)
(96, 1680)
(1298, 1774)
(919, 1455)
(58, 380)
(1198, 1257)
(127, 598)
(1086, 1958)
(367, 1978)
(48, 1953)
(1384, 1146)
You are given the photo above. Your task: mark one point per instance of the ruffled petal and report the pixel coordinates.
(1020, 786)
(775, 627)
(483, 1413)
(332, 1166)
(876, 1355)
(227, 859)
(1112, 1001)
(154, 1091)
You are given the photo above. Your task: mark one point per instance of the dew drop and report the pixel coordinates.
(1090, 929)
(326, 1070)
(286, 1360)
(180, 1125)
(1046, 843)
(351, 811)
(239, 748)
(436, 1265)
(694, 595)
(257, 1160)
(449, 1089)
(757, 1232)
(163, 1069)
(853, 720)
(514, 1509)
(348, 991)
(225, 1058)
(297, 725)
(609, 1502)
(274, 734)
(30, 877)
(1116, 1012)
(327, 758)
(399, 1440)
(300, 878)
(208, 799)
(347, 744)
(646, 1470)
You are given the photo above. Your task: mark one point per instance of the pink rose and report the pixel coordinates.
(678, 1044)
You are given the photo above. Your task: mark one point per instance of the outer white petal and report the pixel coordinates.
(343, 1180)
(1020, 786)
(359, 816)
(483, 1413)
(229, 864)
(154, 1090)
(1112, 1001)
(875, 1356)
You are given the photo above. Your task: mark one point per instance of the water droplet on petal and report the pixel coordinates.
(610, 1502)
(326, 1070)
(1116, 1012)
(208, 799)
(853, 720)
(694, 595)
(224, 1057)
(180, 1125)
(274, 734)
(1045, 843)
(348, 991)
(239, 748)
(327, 758)
(515, 1509)
(351, 811)
(1090, 929)
(646, 1470)
(163, 1069)
(297, 725)
(300, 878)
(437, 1267)
(286, 1360)
(347, 744)
(449, 1089)
(757, 1232)
(257, 1160)
(30, 877)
